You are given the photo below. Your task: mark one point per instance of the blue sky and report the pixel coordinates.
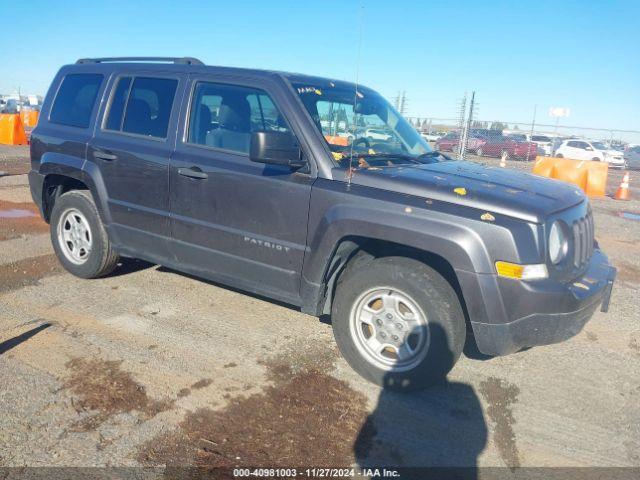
(584, 55)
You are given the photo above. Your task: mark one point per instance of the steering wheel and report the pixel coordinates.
(363, 140)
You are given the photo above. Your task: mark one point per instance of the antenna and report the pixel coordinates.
(356, 94)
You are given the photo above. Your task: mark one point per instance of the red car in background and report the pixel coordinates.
(450, 141)
(496, 145)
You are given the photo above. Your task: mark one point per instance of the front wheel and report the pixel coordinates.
(79, 238)
(559, 155)
(479, 152)
(398, 323)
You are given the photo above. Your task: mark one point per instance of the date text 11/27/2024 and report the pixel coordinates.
(315, 472)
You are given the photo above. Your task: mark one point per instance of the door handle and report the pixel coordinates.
(193, 172)
(104, 155)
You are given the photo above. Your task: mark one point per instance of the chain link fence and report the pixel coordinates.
(466, 135)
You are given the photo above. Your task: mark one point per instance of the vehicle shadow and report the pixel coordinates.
(435, 433)
(130, 265)
(17, 340)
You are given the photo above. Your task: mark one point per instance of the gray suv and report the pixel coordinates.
(265, 181)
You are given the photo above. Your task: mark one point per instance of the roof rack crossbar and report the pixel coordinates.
(180, 60)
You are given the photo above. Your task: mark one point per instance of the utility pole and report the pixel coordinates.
(403, 103)
(533, 125)
(461, 125)
(464, 138)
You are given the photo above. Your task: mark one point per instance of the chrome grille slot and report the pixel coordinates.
(583, 235)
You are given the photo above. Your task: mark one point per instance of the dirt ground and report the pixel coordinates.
(150, 367)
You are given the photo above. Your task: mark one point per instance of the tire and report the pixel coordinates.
(85, 250)
(436, 342)
(506, 155)
(479, 152)
(559, 155)
(596, 159)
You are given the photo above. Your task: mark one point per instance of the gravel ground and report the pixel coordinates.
(151, 367)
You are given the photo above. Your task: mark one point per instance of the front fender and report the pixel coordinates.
(459, 244)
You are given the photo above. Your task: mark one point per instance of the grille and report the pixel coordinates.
(583, 233)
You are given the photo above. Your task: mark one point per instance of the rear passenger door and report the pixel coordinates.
(131, 149)
(234, 220)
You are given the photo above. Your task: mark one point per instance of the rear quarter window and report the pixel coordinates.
(75, 99)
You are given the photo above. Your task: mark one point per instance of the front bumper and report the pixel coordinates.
(525, 314)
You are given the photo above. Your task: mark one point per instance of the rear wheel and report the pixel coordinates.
(79, 238)
(398, 322)
(504, 154)
(559, 155)
(595, 159)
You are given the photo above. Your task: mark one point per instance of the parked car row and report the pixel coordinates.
(529, 146)
(578, 149)
(495, 145)
(632, 156)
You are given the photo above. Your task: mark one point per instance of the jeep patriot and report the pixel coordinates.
(268, 182)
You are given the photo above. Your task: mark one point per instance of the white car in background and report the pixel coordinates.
(588, 150)
(377, 134)
(433, 136)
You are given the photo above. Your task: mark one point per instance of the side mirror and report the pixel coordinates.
(275, 148)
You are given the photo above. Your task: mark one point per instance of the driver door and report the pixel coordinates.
(234, 220)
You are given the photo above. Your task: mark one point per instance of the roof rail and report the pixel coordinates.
(180, 60)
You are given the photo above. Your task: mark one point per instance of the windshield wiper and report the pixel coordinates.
(422, 159)
(400, 156)
(434, 153)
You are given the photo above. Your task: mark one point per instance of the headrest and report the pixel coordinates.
(235, 114)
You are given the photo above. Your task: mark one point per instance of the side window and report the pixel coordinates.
(573, 144)
(142, 106)
(75, 100)
(149, 106)
(224, 116)
(118, 101)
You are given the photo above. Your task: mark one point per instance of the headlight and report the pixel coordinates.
(558, 243)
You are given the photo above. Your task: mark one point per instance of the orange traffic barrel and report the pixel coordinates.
(337, 140)
(590, 176)
(11, 129)
(29, 117)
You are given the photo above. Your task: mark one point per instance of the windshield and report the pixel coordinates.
(519, 138)
(598, 146)
(363, 130)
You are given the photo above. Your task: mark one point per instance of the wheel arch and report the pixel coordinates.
(63, 173)
(352, 250)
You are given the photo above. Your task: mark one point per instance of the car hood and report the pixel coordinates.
(508, 192)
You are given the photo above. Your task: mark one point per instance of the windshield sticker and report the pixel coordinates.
(315, 90)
